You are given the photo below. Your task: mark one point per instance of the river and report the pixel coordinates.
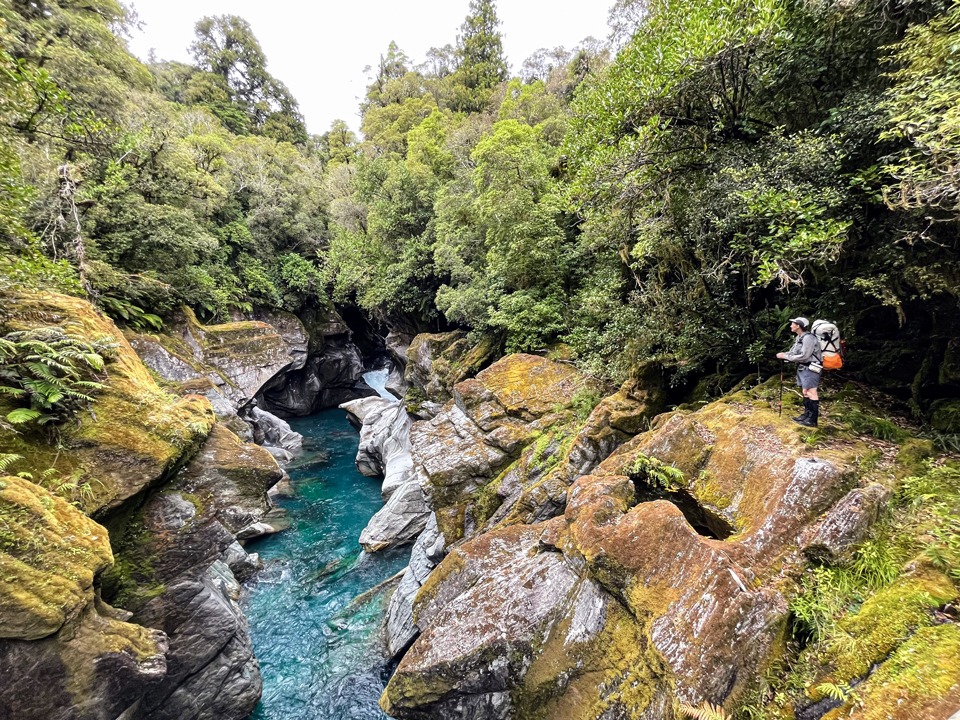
(318, 646)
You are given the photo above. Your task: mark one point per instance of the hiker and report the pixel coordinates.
(806, 353)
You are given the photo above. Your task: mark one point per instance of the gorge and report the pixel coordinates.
(475, 411)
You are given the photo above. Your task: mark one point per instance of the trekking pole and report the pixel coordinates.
(780, 413)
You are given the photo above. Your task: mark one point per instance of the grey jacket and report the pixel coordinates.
(805, 350)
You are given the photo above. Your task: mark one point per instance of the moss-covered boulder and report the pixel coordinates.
(63, 653)
(134, 433)
(49, 555)
(513, 630)
(920, 679)
(233, 477)
(438, 361)
(484, 428)
(169, 573)
(693, 530)
(235, 359)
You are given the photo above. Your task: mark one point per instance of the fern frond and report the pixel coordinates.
(22, 415)
(704, 711)
(8, 459)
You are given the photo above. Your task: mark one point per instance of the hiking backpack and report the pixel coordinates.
(832, 346)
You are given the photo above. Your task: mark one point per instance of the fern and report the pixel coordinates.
(51, 374)
(704, 711)
(655, 473)
(22, 415)
(837, 692)
(8, 459)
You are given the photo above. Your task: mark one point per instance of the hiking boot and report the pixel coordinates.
(806, 412)
(811, 420)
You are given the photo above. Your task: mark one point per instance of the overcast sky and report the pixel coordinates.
(319, 49)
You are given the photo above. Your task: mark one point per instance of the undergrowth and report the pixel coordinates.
(848, 617)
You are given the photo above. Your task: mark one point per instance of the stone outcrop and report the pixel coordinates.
(384, 451)
(229, 364)
(271, 431)
(63, 652)
(134, 433)
(483, 429)
(236, 358)
(653, 586)
(332, 374)
(173, 570)
(172, 491)
(503, 451)
(436, 362)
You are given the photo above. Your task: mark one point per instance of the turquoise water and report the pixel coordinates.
(318, 645)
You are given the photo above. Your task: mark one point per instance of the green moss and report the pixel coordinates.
(912, 455)
(485, 501)
(613, 674)
(924, 670)
(452, 564)
(710, 492)
(884, 621)
(49, 555)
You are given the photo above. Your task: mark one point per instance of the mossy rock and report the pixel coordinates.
(438, 361)
(529, 386)
(950, 367)
(921, 679)
(133, 434)
(945, 416)
(50, 553)
(886, 620)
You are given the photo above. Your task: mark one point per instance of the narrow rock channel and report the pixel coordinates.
(313, 620)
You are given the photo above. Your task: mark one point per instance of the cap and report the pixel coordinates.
(801, 321)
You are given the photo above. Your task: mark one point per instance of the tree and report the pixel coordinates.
(481, 62)
(227, 48)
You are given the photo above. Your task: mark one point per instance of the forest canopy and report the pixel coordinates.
(676, 191)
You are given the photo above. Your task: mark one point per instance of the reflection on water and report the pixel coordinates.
(317, 643)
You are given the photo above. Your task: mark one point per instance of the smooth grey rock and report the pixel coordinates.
(293, 333)
(846, 524)
(395, 384)
(283, 457)
(428, 551)
(397, 343)
(486, 623)
(233, 477)
(242, 564)
(398, 522)
(333, 377)
(268, 429)
(211, 671)
(385, 450)
(164, 363)
(37, 684)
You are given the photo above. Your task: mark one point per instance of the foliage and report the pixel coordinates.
(227, 49)
(704, 711)
(922, 109)
(584, 401)
(50, 374)
(935, 496)
(481, 63)
(655, 473)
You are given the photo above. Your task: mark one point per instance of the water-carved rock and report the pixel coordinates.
(437, 362)
(693, 569)
(385, 451)
(63, 652)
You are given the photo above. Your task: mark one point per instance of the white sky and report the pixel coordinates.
(319, 49)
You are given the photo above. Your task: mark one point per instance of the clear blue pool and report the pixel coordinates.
(319, 648)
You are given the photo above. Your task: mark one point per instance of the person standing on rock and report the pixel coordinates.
(807, 355)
